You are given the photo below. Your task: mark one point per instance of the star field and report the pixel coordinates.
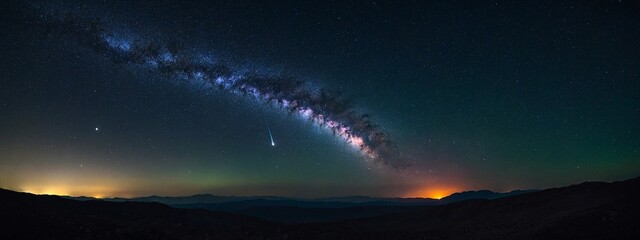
(316, 99)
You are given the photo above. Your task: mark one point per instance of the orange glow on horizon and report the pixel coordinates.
(434, 192)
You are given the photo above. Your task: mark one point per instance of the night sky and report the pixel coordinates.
(316, 98)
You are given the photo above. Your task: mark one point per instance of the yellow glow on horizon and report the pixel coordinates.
(69, 190)
(48, 190)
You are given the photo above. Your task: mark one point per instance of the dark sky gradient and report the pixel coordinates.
(478, 94)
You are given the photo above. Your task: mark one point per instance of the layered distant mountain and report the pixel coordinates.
(295, 210)
(238, 202)
(276, 200)
(593, 210)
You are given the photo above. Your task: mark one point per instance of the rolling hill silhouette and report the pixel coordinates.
(592, 210)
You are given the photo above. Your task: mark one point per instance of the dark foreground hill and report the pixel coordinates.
(592, 210)
(28, 216)
(584, 211)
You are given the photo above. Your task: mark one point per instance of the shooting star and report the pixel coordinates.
(322, 107)
(271, 136)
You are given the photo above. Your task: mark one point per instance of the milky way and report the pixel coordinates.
(322, 107)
